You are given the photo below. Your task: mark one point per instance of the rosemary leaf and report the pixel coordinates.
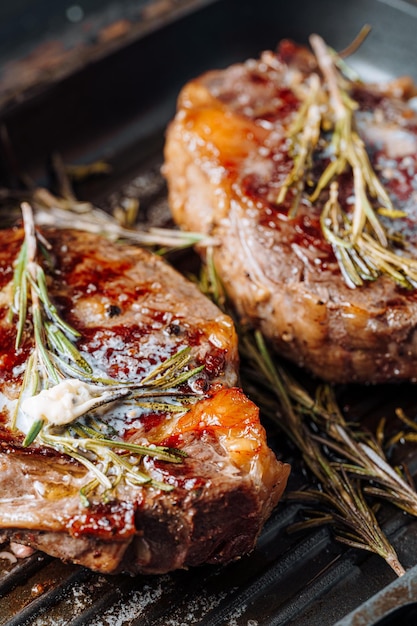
(30, 385)
(157, 452)
(40, 343)
(73, 452)
(50, 309)
(19, 295)
(163, 372)
(62, 345)
(33, 433)
(163, 407)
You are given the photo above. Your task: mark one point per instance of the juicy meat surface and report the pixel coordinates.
(227, 157)
(133, 311)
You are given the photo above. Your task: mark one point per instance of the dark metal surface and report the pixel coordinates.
(395, 604)
(116, 107)
(43, 41)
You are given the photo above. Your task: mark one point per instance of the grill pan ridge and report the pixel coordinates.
(114, 105)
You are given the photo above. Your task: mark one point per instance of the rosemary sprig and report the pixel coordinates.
(68, 212)
(83, 442)
(346, 508)
(305, 134)
(361, 453)
(362, 246)
(409, 434)
(65, 210)
(93, 220)
(353, 520)
(49, 329)
(55, 354)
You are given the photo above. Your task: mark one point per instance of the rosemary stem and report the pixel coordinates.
(327, 66)
(395, 564)
(30, 234)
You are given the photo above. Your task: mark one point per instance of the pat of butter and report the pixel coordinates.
(62, 403)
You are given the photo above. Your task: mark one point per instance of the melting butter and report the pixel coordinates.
(61, 404)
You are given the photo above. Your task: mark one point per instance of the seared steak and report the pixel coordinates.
(134, 312)
(227, 157)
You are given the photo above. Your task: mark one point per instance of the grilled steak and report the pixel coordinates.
(134, 312)
(227, 157)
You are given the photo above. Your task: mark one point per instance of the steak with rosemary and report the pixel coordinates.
(307, 180)
(126, 445)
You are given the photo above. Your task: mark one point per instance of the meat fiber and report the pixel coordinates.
(226, 159)
(133, 312)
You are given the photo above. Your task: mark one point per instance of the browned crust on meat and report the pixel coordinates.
(225, 160)
(134, 311)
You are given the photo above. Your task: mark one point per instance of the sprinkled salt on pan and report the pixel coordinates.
(234, 618)
(126, 609)
(197, 608)
(77, 600)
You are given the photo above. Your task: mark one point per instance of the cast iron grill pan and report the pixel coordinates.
(116, 107)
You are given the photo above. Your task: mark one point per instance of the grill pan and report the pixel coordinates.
(111, 98)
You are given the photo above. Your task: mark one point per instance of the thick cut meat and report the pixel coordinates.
(226, 159)
(133, 312)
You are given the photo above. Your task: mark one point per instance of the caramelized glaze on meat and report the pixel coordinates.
(226, 158)
(133, 312)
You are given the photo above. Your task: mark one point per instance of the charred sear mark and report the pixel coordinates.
(174, 329)
(113, 310)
